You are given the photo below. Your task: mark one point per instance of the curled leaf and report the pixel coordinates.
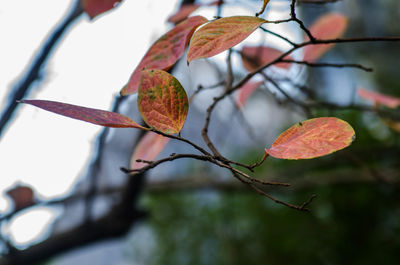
(183, 13)
(97, 7)
(255, 57)
(148, 148)
(220, 35)
(95, 116)
(312, 138)
(328, 26)
(379, 98)
(245, 92)
(165, 52)
(162, 101)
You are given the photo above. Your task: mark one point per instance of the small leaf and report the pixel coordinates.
(255, 57)
(312, 138)
(328, 26)
(183, 13)
(245, 92)
(379, 98)
(22, 197)
(95, 116)
(165, 52)
(97, 7)
(148, 148)
(220, 35)
(162, 101)
(263, 7)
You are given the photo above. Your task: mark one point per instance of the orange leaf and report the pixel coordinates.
(263, 7)
(183, 13)
(96, 7)
(148, 148)
(220, 35)
(255, 57)
(328, 26)
(162, 101)
(312, 138)
(165, 52)
(95, 116)
(22, 197)
(245, 92)
(394, 125)
(379, 98)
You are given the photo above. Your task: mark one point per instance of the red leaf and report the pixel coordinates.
(220, 35)
(183, 13)
(379, 98)
(312, 138)
(22, 197)
(165, 52)
(255, 57)
(245, 92)
(162, 101)
(328, 26)
(96, 7)
(148, 148)
(95, 116)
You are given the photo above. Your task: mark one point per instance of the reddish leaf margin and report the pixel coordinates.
(95, 116)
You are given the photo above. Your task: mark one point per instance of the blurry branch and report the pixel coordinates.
(113, 225)
(33, 73)
(318, 1)
(206, 183)
(337, 65)
(95, 166)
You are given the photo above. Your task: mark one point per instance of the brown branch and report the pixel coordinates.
(298, 21)
(336, 65)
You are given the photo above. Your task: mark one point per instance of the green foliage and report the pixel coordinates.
(349, 224)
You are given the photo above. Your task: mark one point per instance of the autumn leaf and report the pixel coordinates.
(255, 57)
(162, 101)
(165, 52)
(95, 116)
(328, 26)
(379, 98)
(263, 7)
(22, 197)
(245, 92)
(220, 35)
(312, 138)
(97, 7)
(183, 13)
(394, 125)
(148, 148)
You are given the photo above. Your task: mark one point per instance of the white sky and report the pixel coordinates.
(95, 59)
(90, 66)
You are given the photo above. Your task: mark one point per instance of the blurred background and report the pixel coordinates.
(66, 201)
